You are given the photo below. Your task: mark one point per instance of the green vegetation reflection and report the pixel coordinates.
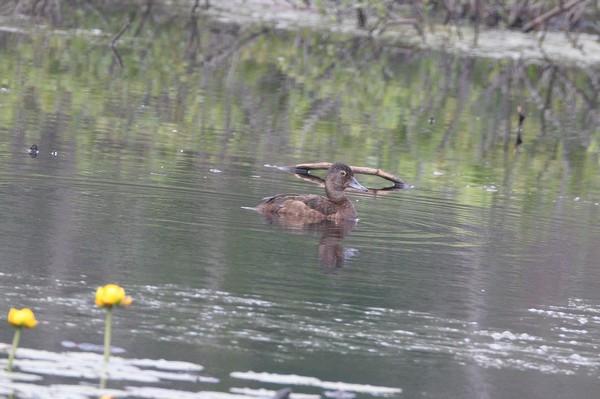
(267, 96)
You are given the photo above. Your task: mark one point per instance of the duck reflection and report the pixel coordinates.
(330, 250)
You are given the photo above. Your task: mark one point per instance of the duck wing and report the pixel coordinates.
(304, 204)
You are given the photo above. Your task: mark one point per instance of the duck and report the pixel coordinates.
(335, 206)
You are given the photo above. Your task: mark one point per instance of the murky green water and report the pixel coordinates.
(480, 280)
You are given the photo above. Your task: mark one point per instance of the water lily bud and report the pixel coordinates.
(22, 318)
(110, 295)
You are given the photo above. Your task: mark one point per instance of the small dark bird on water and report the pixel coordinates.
(33, 151)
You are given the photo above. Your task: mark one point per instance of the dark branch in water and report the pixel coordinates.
(302, 170)
(114, 42)
(118, 36)
(520, 127)
(117, 56)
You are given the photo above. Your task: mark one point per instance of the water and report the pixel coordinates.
(478, 280)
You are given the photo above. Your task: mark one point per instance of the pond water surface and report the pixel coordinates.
(480, 280)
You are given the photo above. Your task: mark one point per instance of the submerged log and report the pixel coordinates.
(302, 170)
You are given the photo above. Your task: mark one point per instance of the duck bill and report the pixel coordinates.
(356, 185)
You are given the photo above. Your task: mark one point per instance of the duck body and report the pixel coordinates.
(310, 206)
(335, 206)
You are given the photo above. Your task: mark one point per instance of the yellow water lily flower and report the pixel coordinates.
(22, 318)
(110, 295)
(107, 297)
(19, 318)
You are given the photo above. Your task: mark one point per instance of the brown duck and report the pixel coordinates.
(316, 207)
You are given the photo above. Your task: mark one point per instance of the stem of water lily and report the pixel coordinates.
(107, 332)
(13, 349)
(103, 378)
